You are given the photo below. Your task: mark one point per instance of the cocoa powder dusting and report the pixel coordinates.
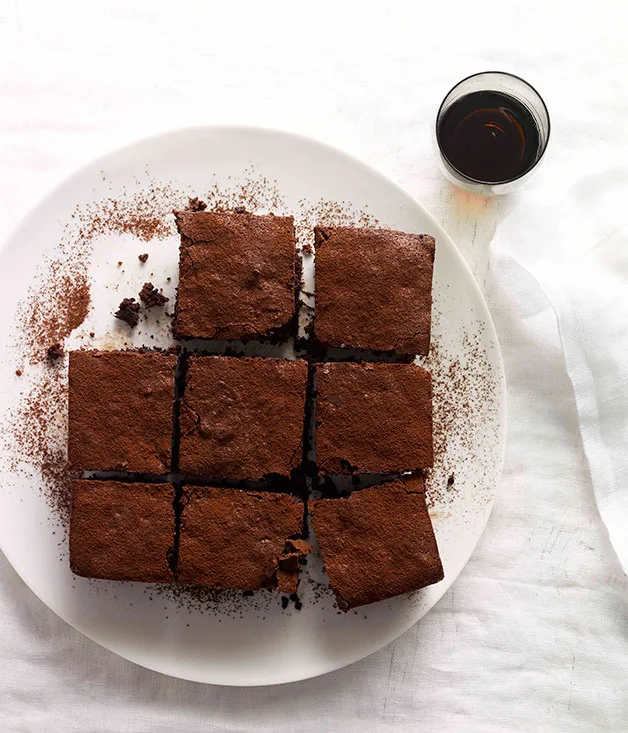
(464, 403)
(327, 213)
(143, 214)
(197, 599)
(56, 307)
(38, 442)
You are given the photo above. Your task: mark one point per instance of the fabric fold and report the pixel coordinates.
(568, 252)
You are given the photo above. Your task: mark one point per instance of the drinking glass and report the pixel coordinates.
(492, 131)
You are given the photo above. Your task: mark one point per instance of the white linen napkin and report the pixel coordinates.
(564, 247)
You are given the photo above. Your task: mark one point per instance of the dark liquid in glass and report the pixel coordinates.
(489, 136)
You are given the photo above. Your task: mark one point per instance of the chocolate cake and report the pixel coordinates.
(240, 539)
(120, 410)
(237, 275)
(151, 297)
(377, 543)
(373, 418)
(122, 531)
(242, 418)
(373, 289)
(129, 312)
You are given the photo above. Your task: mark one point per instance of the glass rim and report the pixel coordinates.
(506, 180)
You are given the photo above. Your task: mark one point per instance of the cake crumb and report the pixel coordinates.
(239, 210)
(307, 249)
(151, 297)
(120, 263)
(54, 352)
(195, 204)
(143, 258)
(284, 602)
(128, 312)
(18, 372)
(91, 334)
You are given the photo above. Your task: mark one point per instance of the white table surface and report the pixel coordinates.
(534, 634)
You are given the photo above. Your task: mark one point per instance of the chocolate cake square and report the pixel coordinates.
(242, 418)
(122, 531)
(373, 289)
(373, 418)
(377, 543)
(242, 540)
(237, 275)
(120, 411)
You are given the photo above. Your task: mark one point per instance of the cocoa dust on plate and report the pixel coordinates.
(464, 400)
(54, 307)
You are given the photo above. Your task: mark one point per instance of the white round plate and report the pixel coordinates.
(257, 643)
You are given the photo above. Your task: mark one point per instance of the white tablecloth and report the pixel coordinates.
(534, 634)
